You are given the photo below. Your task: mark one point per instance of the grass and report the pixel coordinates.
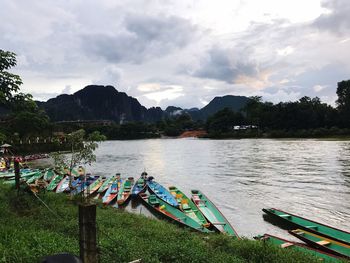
(29, 231)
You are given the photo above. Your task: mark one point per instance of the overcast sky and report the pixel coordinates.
(181, 52)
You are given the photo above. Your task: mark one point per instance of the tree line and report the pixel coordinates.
(307, 117)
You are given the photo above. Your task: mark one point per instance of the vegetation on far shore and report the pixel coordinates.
(29, 231)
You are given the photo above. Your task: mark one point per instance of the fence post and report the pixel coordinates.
(87, 233)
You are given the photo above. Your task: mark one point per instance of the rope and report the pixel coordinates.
(48, 208)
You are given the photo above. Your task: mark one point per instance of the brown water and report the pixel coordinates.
(310, 178)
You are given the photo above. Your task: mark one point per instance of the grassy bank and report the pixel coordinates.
(29, 231)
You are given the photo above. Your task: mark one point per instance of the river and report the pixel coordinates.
(310, 178)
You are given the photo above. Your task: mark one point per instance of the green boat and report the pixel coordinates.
(24, 177)
(54, 182)
(92, 188)
(106, 184)
(125, 191)
(33, 178)
(188, 207)
(167, 211)
(320, 242)
(294, 221)
(212, 213)
(48, 175)
(285, 244)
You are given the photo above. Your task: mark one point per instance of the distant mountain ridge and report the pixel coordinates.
(97, 102)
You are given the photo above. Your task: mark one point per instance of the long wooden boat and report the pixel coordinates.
(140, 185)
(112, 192)
(125, 191)
(286, 244)
(23, 177)
(162, 193)
(84, 184)
(294, 221)
(93, 187)
(54, 182)
(63, 185)
(188, 207)
(320, 242)
(170, 212)
(106, 184)
(33, 178)
(49, 174)
(212, 213)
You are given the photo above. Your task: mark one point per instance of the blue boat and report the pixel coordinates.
(162, 193)
(140, 185)
(82, 186)
(112, 191)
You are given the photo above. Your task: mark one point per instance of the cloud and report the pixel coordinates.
(336, 19)
(141, 37)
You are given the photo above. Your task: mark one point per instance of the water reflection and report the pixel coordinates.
(306, 177)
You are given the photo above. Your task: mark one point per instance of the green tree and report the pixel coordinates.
(343, 102)
(9, 83)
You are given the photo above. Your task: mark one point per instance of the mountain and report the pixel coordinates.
(96, 102)
(235, 103)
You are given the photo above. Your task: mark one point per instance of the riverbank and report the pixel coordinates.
(29, 231)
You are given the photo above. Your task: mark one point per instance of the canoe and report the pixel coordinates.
(162, 193)
(320, 242)
(139, 186)
(170, 212)
(54, 182)
(93, 187)
(84, 184)
(106, 184)
(212, 214)
(48, 175)
(285, 244)
(75, 183)
(112, 192)
(63, 185)
(125, 191)
(294, 221)
(188, 207)
(33, 178)
(24, 177)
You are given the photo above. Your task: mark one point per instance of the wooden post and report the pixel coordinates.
(17, 173)
(87, 233)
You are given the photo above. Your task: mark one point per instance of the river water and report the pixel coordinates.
(310, 178)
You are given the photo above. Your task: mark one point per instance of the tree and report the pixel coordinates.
(9, 83)
(343, 102)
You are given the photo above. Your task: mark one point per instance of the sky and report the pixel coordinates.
(180, 53)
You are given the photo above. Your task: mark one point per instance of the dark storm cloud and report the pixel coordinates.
(141, 37)
(337, 20)
(221, 64)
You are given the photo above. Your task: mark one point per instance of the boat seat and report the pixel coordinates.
(286, 216)
(219, 223)
(323, 242)
(287, 244)
(312, 227)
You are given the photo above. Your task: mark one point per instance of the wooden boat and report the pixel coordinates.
(24, 177)
(328, 245)
(162, 193)
(294, 221)
(188, 207)
(140, 185)
(84, 184)
(54, 182)
(170, 212)
(285, 244)
(63, 185)
(112, 191)
(49, 174)
(106, 184)
(125, 191)
(93, 187)
(212, 213)
(33, 178)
